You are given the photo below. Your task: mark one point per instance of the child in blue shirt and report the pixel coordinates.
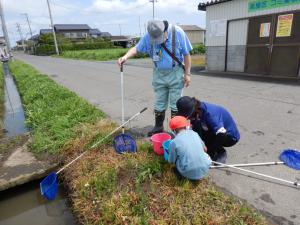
(187, 151)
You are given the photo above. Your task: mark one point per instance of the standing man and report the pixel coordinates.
(213, 123)
(169, 48)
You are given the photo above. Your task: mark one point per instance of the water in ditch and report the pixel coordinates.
(14, 119)
(24, 205)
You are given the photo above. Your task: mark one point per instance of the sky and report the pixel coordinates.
(125, 17)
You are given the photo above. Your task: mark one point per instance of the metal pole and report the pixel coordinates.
(249, 165)
(31, 35)
(53, 31)
(21, 35)
(103, 139)
(122, 95)
(153, 8)
(26, 15)
(120, 29)
(4, 29)
(295, 183)
(140, 26)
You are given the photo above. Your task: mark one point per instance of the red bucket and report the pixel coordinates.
(157, 140)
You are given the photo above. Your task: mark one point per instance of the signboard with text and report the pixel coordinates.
(264, 30)
(257, 5)
(284, 25)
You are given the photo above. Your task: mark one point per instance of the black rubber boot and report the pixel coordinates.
(159, 123)
(173, 113)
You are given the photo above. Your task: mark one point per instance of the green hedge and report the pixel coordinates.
(100, 54)
(48, 49)
(52, 111)
(198, 49)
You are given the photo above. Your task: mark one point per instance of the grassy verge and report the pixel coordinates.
(52, 112)
(2, 99)
(107, 188)
(100, 54)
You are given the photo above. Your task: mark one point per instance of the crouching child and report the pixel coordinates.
(187, 151)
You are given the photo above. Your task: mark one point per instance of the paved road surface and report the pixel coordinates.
(267, 113)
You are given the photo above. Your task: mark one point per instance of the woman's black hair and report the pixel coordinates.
(197, 114)
(166, 25)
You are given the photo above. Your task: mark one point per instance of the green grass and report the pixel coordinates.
(52, 112)
(2, 99)
(100, 55)
(113, 53)
(108, 188)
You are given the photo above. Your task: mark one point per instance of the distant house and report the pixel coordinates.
(21, 44)
(106, 35)
(124, 41)
(35, 38)
(95, 33)
(194, 33)
(45, 31)
(74, 31)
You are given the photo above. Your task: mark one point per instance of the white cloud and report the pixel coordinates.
(103, 14)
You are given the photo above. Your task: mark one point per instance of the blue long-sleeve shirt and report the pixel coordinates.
(186, 150)
(219, 120)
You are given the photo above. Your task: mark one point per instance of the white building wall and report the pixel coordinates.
(237, 40)
(234, 10)
(237, 32)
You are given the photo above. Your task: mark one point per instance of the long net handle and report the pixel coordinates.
(249, 164)
(100, 141)
(258, 174)
(122, 95)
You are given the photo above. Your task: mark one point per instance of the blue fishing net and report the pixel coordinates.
(291, 158)
(124, 143)
(48, 186)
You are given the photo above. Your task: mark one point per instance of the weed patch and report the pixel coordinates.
(52, 111)
(100, 54)
(108, 188)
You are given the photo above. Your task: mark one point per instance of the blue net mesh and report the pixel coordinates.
(48, 186)
(291, 158)
(124, 143)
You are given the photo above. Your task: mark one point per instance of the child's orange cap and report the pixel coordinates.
(178, 122)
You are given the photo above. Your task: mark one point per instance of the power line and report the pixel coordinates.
(21, 35)
(26, 15)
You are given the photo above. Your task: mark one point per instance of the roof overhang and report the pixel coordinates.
(202, 6)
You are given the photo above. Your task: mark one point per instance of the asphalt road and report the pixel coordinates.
(267, 114)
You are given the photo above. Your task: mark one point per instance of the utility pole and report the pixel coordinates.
(153, 1)
(21, 35)
(31, 35)
(26, 15)
(5, 30)
(140, 26)
(53, 31)
(120, 29)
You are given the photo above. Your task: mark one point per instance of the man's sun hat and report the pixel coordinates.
(156, 30)
(178, 122)
(185, 106)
